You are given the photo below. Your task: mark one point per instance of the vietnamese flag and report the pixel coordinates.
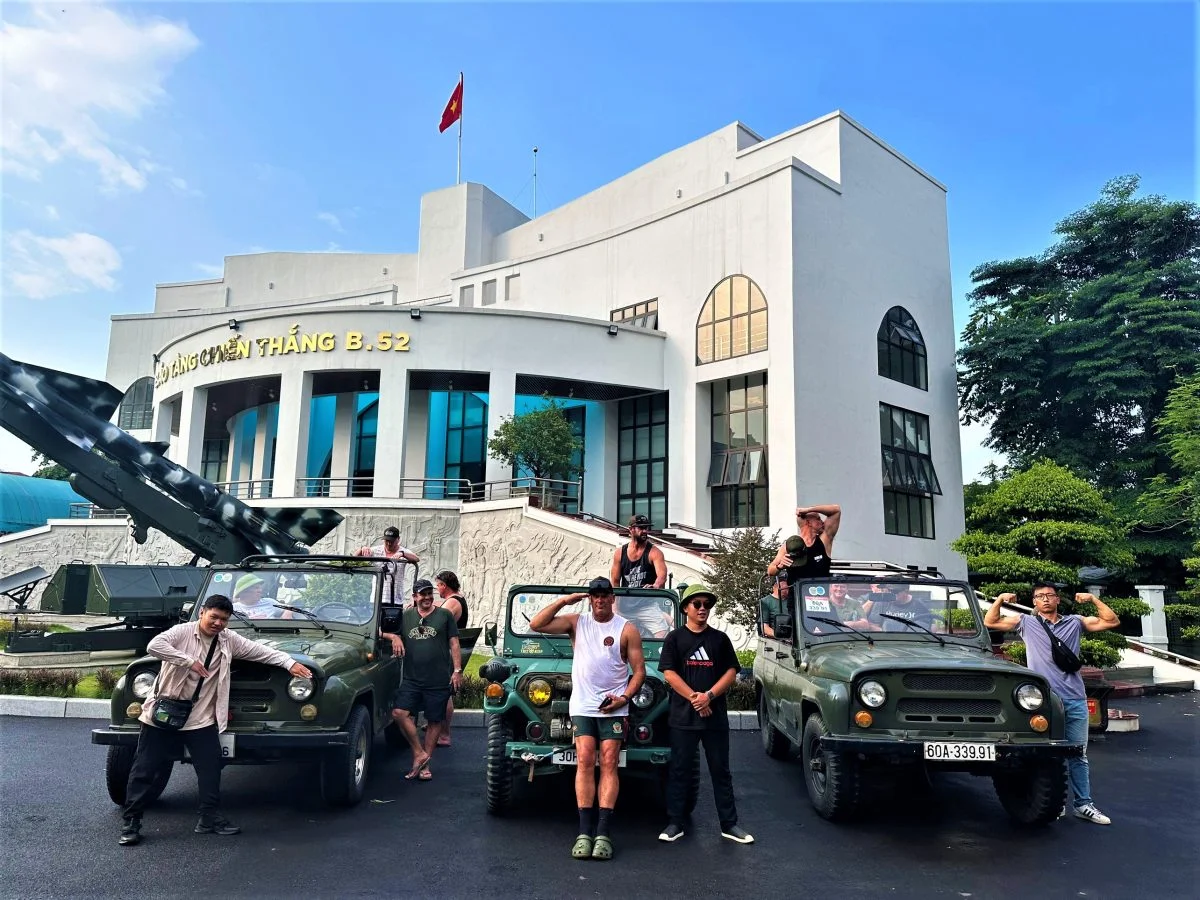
(453, 110)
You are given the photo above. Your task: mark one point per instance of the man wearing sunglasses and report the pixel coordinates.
(1036, 630)
(700, 665)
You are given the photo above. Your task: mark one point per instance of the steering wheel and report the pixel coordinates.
(344, 612)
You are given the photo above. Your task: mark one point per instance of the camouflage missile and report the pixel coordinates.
(67, 417)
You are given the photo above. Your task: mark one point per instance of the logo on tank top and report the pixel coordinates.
(608, 641)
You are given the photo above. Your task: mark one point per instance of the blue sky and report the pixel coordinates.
(144, 142)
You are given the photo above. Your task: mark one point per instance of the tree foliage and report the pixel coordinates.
(1070, 355)
(48, 468)
(736, 570)
(540, 442)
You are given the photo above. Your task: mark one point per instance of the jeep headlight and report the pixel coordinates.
(872, 694)
(300, 689)
(143, 684)
(538, 691)
(644, 697)
(1029, 697)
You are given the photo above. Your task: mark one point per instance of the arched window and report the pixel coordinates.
(733, 321)
(902, 349)
(137, 407)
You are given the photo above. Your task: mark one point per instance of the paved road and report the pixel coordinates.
(58, 832)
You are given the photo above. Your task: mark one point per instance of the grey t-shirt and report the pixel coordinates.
(1039, 658)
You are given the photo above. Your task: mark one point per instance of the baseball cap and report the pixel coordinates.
(421, 585)
(246, 581)
(600, 586)
(697, 590)
(639, 521)
(391, 533)
(795, 544)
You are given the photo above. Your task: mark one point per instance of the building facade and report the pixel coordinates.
(735, 328)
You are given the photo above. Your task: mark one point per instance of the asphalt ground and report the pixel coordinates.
(58, 831)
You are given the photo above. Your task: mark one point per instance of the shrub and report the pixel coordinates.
(1182, 612)
(746, 658)
(470, 696)
(1098, 653)
(1190, 633)
(1016, 652)
(1112, 638)
(737, 569)
(1124, 607)
(51, 682)
(12, 681)
(742, 697)
(107, 679)
(993, 589)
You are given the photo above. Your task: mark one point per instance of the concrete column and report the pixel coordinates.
(262, 449)
(1154, 626)
(161, 426)
(291, 454)
(389, 443)
(190, 449)
(502, 401)
(343, 436)
(231, 463)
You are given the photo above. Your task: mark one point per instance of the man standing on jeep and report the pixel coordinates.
(808, 554)
(607, 670)
(639, 564)
(393, 583)
(1039, 633)
(700, 666)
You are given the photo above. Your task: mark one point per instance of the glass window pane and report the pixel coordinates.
(898, 428)
(721, 340)
(658, 408)
(741, 335)
(720, 434)
(889, 512)
(641, 444)
(885, 424)
(624, 509)
(625, 413)
(758, 331)
(641, 478)
(737, 393)
(733, 471)
(756, 427)
(757, 300)
(658, 441)
(753, 466)
(927, 517)
(756, 391)
(886, 463)
(706, 311)
(737, 429)
(741, 295)
(910, 431)
(476, 411)
(625, 452)
(472, 445)
(658, 511)
(625, 478)
(455, 408)
(716, 469)
(722, 292)
(906, 370)
(923, 435)
(720, 397)
(658, 476)
(454, 447)
(704, 344)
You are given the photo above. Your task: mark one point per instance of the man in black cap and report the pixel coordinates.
(428, 641)
(639, 564)
(393, 583)
(808, 554)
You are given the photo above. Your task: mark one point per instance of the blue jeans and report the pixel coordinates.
(1077, 767)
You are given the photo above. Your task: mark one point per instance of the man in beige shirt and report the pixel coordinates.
(183, 651)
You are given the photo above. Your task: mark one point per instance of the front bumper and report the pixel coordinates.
(541, 756)
(892, 750)
(254, 744)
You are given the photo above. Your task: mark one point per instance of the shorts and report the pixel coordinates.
(602, 728)
(430, 701)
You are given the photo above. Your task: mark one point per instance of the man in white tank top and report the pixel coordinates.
(608, 668)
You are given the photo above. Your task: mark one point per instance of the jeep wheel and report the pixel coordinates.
(774, 741)
(500, 773)
(116, 775)
(832, 778)
(344, 771)
(1034, 795)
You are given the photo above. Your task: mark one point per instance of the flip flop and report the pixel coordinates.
(416, 771)
(443, 741)
(582, 848)
(425, 775)
(603, 848)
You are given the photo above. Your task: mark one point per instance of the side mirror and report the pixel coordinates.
(783, 627)
(185, 611)
(489, 634)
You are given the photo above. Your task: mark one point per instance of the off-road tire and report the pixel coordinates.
(775, 742)
(833, 779)
(1035, 794)
(501, 773)
(344, 770)
(116, 775)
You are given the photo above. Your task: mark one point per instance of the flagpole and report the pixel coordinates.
(458, 167)
(535, 182)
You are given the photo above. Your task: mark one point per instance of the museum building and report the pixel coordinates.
(738, 326)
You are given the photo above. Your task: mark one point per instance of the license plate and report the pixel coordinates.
(960, 751)
(568, 758)
(228, 742)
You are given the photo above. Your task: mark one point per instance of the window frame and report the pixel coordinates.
(901, 351)
(136, 412)
(907, 472)
(738, 478)
(733, 321)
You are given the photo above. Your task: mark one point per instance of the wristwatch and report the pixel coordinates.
(711, 696)
(458, 671)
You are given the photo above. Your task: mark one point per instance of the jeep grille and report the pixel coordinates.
(914, 710)
(243, 700)
(950, 684)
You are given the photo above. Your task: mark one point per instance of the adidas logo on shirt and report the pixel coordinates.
(699, 658)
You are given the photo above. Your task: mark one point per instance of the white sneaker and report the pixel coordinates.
(1091, 814)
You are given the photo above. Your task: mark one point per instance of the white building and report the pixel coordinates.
(739, 326)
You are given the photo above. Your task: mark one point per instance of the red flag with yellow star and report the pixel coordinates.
(453, 110)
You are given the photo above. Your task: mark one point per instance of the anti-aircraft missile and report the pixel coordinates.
(66, 417)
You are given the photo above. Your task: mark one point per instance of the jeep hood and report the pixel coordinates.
(843, 661)
(333, 653)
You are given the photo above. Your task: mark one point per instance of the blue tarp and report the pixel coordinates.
(27, 502)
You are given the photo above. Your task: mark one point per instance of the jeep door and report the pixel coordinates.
(789, 687)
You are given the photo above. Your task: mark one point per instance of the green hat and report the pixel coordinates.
(697, 589)
(246, 581)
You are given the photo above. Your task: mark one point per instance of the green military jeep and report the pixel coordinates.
(528, 692)
(893, 672)
(326, 613)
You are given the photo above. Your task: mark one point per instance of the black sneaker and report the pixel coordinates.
(216, 825)
(738, 834)
(672, 832)
(131, 833)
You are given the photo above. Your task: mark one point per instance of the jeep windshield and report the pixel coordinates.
(653, 613)
(344, 595)
(915, 609)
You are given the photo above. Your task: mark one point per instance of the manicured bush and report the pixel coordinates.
(107, 679)
(746, 658)
(742, 697)
(1093, 652)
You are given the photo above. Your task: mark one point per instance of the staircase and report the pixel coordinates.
(681, 537)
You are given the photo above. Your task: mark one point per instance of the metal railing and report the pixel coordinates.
(548, 493)
(248, 490)
(408, 489)
(92, 511)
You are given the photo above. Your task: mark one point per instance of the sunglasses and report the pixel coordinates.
(704, 604)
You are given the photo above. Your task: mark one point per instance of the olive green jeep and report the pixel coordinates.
(326, 613)
(892, 671)
(528, 691)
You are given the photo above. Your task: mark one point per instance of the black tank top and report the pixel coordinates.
(814, 565)
(462, 601)
(639, 573)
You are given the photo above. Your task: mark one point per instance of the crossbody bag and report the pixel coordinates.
(171, 713)
(1064, 657)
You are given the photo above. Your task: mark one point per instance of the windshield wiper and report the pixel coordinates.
(305, 612)
(870, 640)
(936, 637)
(242, 617)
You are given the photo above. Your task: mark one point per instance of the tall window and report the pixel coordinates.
(737, 471)
(642, 458)
(643, 315)
(902, 349)
(214, 459)
(733, 321)
(367, 431)
(909, 481)
(466, 425)
(137, 407)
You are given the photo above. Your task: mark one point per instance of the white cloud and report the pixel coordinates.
(72, 72)
(210, 270)
(332, 221)
(52, 213)
(180, 186)
(39, 267)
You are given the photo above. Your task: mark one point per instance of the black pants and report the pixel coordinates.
(684, 743)
(158, 747)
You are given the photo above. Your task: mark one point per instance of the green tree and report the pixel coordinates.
(540, 442)
(1070, 355)
(736, 570)
(48, 468)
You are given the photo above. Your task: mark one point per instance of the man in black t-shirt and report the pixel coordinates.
(700, 665)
